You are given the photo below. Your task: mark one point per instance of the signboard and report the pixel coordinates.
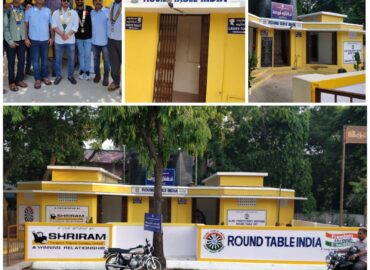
(134, 23)
(246, 217)
(356, 134)
(168, 178)
(281, 24)
(281, 11)
(271, 244)
(70, 241)
(349, 50)
(28, 213)
(187, 1)
(165, 190)
(236, 26)
(298, 34)
(76, 214)
(153, 222)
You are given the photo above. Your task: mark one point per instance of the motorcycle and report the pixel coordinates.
(336, 261)
(133, 258)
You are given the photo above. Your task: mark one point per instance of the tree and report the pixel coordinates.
(156, 132)
(35, 137)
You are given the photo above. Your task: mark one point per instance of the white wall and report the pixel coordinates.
(325, 48)
(179, 241)
(186, 77)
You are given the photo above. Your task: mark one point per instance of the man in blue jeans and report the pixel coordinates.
(39, 36)
(65, 25)
(14, 35)
(83, 39)
(99, 19)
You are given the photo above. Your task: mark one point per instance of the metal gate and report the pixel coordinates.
(166, 58)
(204, 42)
(14, 246)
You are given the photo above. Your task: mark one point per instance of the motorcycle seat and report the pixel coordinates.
(118, 250)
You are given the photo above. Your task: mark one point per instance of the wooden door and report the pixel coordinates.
(166, 58)
(204, 43)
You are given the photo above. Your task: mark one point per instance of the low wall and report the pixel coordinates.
(281, 245)
(304, 223)
(304, 85)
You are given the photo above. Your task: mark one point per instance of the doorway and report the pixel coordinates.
(321, 48)
(281, 48)
(182, 58)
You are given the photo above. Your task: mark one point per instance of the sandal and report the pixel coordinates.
(46, 81)
(13, 87)
(113, 87)
(37, 84)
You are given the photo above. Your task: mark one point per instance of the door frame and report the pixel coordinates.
(165, 68)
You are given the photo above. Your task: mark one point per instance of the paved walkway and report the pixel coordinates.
(276, 89)
(82, 92)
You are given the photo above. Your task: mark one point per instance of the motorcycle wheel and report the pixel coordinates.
(112, 259)
(153, 264)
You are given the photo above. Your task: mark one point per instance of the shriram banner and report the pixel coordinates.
(272, 244)
(66, 241)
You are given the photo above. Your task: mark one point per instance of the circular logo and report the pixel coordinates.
(213, 241)
(28, 214)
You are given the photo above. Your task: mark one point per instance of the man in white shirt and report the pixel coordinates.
(361, 244)
(65, 24)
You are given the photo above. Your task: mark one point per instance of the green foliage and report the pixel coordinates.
(358, 61)
(36, 136)
(252, 66)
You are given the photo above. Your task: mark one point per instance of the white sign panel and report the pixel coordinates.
(66, 242)
(77, 214)
(28, 213)
(270, 244)
(165, 190)
(246, 218)
(350, 49)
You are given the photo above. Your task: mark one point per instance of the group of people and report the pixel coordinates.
(31, 29)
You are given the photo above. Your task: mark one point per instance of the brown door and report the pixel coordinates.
(204, 42)
(166, 58)
(124, 210)
(334, 49)
(100, 209)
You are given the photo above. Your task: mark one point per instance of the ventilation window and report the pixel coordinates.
(29, 197)
(67, 197)
(246, 202)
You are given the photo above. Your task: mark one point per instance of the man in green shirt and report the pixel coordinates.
(14, 35)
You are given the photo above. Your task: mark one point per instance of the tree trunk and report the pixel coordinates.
(53, 160)
(157, 208)
(8, 168)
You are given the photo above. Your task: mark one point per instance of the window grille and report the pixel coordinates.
(246, 202)
(67, 197)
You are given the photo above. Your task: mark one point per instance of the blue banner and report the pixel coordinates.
(168, 178)
(153, 222)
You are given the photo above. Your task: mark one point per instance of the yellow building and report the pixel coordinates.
(88, 194)
(321, 42)
(185, 51)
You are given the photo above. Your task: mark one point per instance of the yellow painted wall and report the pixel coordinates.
(135, 212)
(181, 213)
(271, 207)
(298, 49)
(344, 37)
(51, 199)
(81, 176)
(241, 181)
(226, 62)
(141, 54)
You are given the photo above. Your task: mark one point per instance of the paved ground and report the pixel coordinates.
(82, 92)
(276, 89)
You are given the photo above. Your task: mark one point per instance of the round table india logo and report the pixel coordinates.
(28, 214)
(213, 241)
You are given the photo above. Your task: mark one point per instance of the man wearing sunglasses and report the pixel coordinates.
(99, 19)
(83, 39)
(65, 25)
(115, 43)
(361, 257)
(39, 37)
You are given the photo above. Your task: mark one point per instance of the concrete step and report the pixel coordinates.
(260, 78)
